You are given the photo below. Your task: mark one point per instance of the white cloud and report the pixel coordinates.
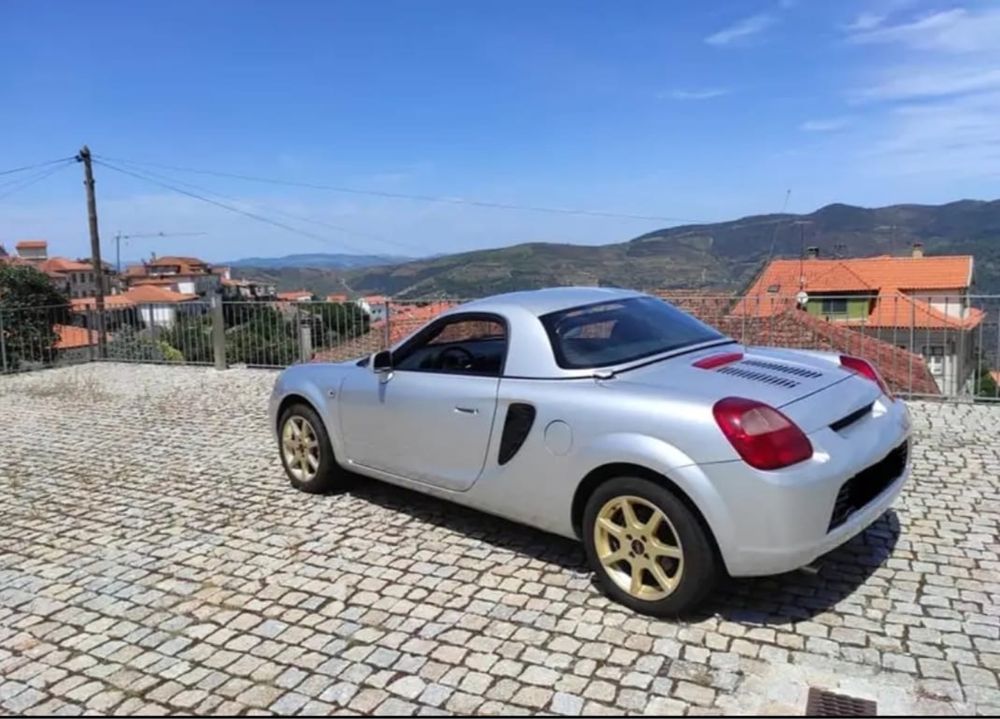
(955, 31)
(701, 94)
(866, 21)
(934, 94)
(952, 139)
(741, 30)
(911, 82)
(831, 124)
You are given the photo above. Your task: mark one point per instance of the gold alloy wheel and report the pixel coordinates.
(300, 446)
(638, 547)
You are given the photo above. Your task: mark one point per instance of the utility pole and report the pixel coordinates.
(95, 245)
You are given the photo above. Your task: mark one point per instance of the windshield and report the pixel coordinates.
(611, 333)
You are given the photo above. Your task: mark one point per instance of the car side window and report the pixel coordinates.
(473, 345)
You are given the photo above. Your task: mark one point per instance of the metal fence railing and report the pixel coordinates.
(924, 344)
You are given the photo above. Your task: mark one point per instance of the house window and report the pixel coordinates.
(935, 358)
(834, 306)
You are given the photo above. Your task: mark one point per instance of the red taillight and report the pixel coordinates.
(713, 361)
(763, 436)
(866, 369)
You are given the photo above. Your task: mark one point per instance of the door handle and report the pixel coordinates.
(467, 410)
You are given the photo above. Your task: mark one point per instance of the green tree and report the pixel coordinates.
(261, 334)
(30, 307)
(334, 323)
(986, 386)
(192, 336)
(131, 345)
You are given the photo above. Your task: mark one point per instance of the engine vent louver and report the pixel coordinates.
(784, 368)
(738, 370)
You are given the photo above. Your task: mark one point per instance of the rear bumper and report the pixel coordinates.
(781, 520)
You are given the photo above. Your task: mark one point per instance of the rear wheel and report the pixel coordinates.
(306, 452)
(648, 550)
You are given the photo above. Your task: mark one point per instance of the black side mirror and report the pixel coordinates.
(382, 361)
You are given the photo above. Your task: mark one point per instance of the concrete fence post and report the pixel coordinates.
(305, 340)
(3, 346)
(388, 333)
(218, 332)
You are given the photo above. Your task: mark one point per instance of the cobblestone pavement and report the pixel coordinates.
(153, 559)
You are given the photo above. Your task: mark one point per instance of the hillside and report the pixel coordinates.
(321, 259)
(719, 255)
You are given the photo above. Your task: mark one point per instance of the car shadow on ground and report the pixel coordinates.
(775, 600)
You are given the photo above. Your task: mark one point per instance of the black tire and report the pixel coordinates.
(328, 474)
(701, 566)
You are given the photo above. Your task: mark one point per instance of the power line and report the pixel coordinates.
(24, 183)
(230, 208)
(414, 197)
(33, 167)
(300, 218)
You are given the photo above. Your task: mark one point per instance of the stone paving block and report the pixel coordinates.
(189, 584)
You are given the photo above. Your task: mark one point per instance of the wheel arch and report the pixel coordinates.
(599, 475)
(294, 398)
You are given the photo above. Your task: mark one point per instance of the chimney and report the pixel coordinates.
(918, 249)
(812, 253)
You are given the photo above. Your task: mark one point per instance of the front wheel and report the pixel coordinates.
(648, 549)
(306, 452)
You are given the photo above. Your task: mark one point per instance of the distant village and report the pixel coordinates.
(916, 309)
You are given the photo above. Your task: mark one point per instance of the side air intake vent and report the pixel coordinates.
(516, 427)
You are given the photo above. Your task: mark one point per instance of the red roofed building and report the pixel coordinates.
(295, 296)
(186, 275)
(32, 249)
(154, 305)
(920, 303)
(74, 343)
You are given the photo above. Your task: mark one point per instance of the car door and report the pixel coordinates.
(431, 417)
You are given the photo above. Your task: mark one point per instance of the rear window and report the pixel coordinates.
(610, 333)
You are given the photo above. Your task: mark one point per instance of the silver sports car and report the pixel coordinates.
(676, 454)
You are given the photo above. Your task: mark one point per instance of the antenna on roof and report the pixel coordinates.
(774, 235)
(144, 235)
(802, 250)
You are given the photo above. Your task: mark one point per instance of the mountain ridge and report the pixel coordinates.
(718, 256)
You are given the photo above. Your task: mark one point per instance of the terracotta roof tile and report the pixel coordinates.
(70, 337)
(32, 245)
(895, 309)
(62, 264)
(774, 290)
(142, 295)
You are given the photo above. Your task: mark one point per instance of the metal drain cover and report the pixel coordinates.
(823, 703)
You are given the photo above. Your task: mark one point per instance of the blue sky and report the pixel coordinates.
(694, 111)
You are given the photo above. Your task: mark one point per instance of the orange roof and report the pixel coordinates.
(160, 281)
(184, 266)
(405, 319)
(884, 277)
(894, 309)
(336, 297)
(32, 245)
(61, 264)
(70, 337)
(144, 295)
(295, 295)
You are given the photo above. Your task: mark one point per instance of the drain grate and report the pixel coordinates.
(822, 703)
